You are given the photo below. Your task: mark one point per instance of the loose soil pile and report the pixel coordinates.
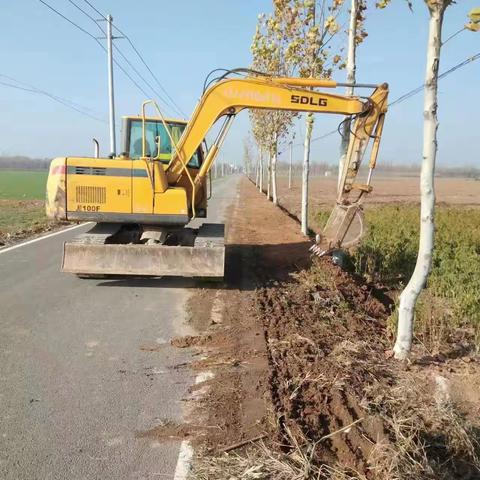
(325, 338)
(338, 394)
(304, 385)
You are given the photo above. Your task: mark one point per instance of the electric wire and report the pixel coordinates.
(115, 46)
(407, 95)
(93, 8)
(420, 88)
(172, 102)
(86, 14)
(69, 21)
(67, 103)
(141, 76)
(99, 44)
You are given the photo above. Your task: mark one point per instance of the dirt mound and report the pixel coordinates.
(337, 394)
(318, 331)
(306, 361)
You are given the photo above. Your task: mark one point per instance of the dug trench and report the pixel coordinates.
(299, 378)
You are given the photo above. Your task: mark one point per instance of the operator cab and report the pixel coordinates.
(156, 138)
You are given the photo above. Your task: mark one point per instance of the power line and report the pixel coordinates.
(86, 14)
(71, 102)
(172, 101)
(99, 44)
(68, 20)
(67, 103)
(173, 104)
(409, 94)
(141, 76)
(93, 8)
(118, 49)
(420, 88)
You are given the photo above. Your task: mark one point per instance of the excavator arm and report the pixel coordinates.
(228, 97)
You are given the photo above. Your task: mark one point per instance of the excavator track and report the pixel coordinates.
(98, 235)
(90, 255)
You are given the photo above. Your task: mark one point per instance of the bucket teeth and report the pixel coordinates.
(318, 250)
(345, 228)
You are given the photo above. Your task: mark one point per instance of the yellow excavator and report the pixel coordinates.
(143, 200)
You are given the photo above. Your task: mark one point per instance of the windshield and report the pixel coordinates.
(154, 130)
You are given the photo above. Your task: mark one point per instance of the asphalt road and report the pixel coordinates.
(86, 366)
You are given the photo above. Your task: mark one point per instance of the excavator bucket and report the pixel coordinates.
(205, 257)
(344, 228)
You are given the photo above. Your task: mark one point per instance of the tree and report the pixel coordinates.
(417, 282)
(270, 127)
(308, 26)
(247, 156)
(356, 35)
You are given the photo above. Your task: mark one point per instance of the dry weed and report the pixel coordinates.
(430, 439)
(266, 463)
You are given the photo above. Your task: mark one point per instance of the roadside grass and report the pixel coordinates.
(23, 184)
(22, 206)
(451, 302)
(19, 219)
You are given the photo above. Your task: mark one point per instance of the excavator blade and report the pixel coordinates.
(206, 258)
(344, 228)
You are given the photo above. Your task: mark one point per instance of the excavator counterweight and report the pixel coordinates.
(142, 201)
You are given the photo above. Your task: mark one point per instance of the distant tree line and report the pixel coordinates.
(19, 162)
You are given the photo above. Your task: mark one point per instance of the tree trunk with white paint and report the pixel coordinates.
(274, 171)
(306, 171)
(290, 166)
(260, 183)
(351, 71)
(269, 176)
(417, 282)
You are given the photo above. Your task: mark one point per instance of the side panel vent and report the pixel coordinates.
(87, 194)
(89, 171)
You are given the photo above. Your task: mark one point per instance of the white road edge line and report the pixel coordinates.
(184, 461)
(43, 237)
(185, 454)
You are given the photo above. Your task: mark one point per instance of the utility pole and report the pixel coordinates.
(111, 101)
(290, 166)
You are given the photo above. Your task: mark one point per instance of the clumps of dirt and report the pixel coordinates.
(338, 396)
(234, 400)
(190, 341)
(172, 431)
(231, 361)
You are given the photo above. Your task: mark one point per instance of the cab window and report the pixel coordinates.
(154, 133)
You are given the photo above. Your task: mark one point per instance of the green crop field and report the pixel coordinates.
(23, 184)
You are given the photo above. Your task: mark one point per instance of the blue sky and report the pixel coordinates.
(183, 40)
